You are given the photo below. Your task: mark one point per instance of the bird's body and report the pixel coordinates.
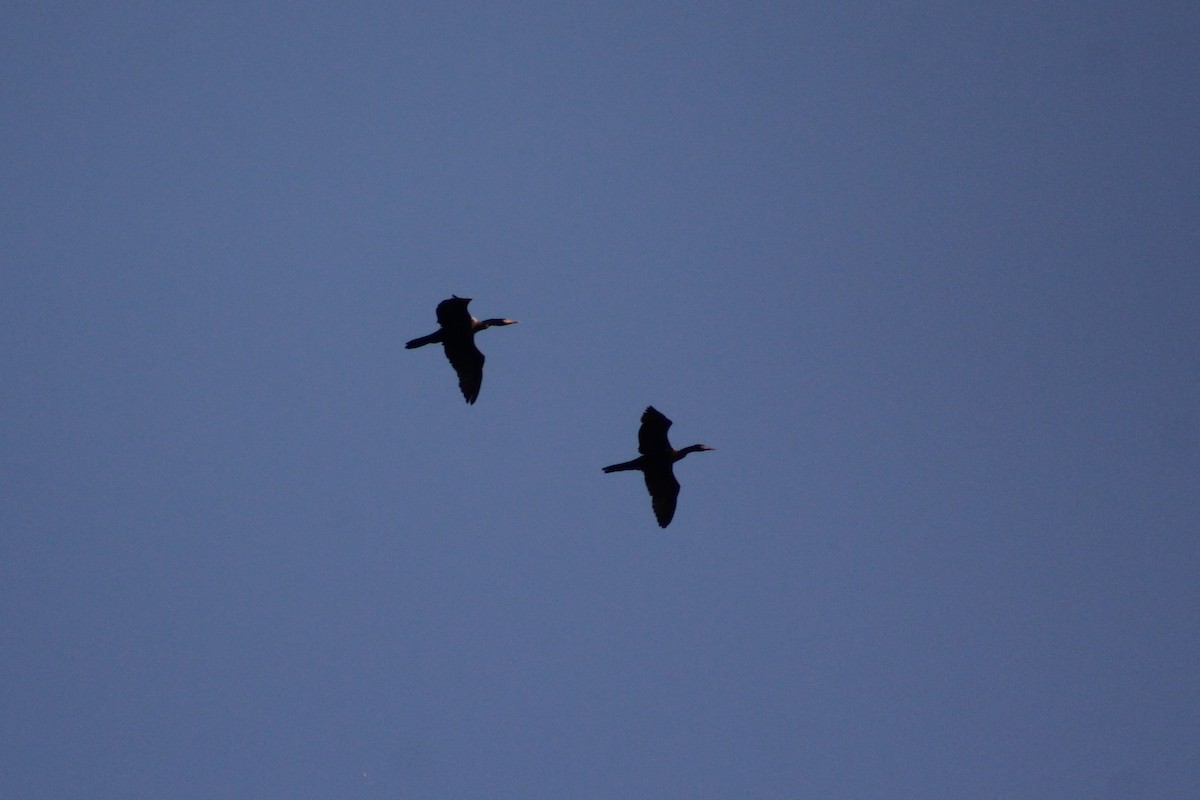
(656, 463)
(456, 334)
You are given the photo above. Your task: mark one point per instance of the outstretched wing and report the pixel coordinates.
(664, 493)
(467, 361)
(453, 313)
(652, 436)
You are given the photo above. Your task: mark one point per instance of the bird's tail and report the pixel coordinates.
(620, 467)
(432, 338)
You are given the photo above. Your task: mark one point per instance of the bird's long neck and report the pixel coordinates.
(487, 323)
(694, 448)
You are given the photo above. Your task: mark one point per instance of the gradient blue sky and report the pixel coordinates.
(926, 275)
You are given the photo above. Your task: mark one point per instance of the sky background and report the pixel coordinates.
(925, 275)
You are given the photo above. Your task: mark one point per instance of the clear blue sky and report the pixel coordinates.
(925, 275)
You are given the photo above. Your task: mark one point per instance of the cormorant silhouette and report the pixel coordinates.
(457, 337)
(655, 462)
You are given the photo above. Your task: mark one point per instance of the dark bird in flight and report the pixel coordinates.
(457, 337)
(655, 462)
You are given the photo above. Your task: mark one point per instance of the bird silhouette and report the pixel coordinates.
(456, 334)
(656, 461)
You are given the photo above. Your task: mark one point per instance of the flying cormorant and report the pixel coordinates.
(457, 337)
(655, 462)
